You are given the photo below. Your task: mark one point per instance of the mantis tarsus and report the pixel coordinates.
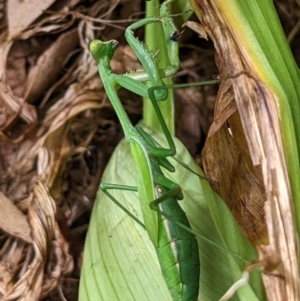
(155, 190)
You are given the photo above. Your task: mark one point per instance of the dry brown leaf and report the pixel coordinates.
(48, 66)
(197, 27)
(228, 164)
(47, 241)
(16, 69)
(23, 13)
(12, 220)
(11, 105)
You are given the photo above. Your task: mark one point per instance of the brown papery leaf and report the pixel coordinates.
(23, 13)
(54, 122)
(46, 71)
(12, 220)
(197, 27)
(243, 156)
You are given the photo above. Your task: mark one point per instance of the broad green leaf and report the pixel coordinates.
(120, 262)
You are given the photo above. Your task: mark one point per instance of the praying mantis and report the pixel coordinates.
(166, 223)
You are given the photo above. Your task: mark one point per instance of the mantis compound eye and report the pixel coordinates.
(95, 45)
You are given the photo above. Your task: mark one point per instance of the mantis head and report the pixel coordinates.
(101, 50)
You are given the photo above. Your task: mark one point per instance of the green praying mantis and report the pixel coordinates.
(168, 228)
(156, 191)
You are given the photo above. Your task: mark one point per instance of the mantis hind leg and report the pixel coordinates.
(106, 186)
(170, 190)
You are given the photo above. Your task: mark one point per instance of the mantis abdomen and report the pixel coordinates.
(178, 252)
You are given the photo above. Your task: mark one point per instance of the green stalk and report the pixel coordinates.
(154, 39)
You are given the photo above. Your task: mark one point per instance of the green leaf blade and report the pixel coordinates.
(120, 261)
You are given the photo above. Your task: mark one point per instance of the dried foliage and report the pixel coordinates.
(54, 119)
